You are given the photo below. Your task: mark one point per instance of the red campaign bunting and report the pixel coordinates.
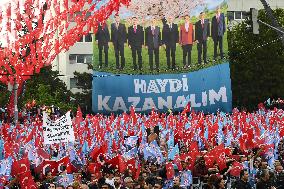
(39, 23)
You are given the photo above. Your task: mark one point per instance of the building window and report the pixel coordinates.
(238, 15)
(72, 59)
(81, 39)
(230, 15)
(89, 59)
(245, 15)
(89, 38)
(73, 83)
(81, 58)
(86, 38)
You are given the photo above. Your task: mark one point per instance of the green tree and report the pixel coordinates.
(4, 95)
(256, 62)
(47, 89)
(84, 98)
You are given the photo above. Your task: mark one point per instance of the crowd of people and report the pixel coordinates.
(240, 150)
(153, 38)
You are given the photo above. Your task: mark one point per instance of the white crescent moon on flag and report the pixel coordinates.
(58, 168)
(44, 167)
(24, 165)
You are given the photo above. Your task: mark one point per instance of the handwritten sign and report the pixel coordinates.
(60, 130)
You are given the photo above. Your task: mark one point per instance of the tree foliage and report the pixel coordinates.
(4, 95)
(84, 98)
(257, 62)
(47, 89)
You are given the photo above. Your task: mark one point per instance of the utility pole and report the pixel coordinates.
(273, 19)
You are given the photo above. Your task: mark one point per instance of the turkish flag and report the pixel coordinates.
(236, 169)
(20, 167)
(170, 170)
(94, 168)
(117, 163)
(130, 165)
(98, 154)
(64, 162)
(48, 165)
(26, 181)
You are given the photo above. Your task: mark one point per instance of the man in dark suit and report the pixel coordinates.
(118, 38)
(103, 38)
(153, 42)
(135, 42)
(170, 38)
(218, 30)
(202, 32)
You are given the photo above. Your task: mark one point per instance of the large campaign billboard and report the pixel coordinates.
(207, 90)
(162, 37)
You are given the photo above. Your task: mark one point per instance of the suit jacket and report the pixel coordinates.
(218, 28)
(153, 41)
(118, 35)
(136, 39)
(170, 36)
(186, 37)
(202, 33)
(102, 35)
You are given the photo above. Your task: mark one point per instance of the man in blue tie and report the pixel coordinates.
(218, 30)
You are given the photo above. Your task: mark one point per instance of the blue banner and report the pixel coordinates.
(208, 90)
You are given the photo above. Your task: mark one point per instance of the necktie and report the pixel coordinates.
(135, 27)
(117, 24)
(170, 26)
(202, 22)
(153, 30)
(218, 18)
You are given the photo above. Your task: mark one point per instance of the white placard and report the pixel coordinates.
(58, 131)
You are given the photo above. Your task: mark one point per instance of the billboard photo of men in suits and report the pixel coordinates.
(118, 38)
(135, 42)
(170, 38)
(103, 38)
(202, 32)
(153, 42)
(218, 29)
(131, 43)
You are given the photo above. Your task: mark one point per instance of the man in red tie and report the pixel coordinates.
(218, 30)
(202, 32)
(186, 39)
(135, 42)
(153, 42)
